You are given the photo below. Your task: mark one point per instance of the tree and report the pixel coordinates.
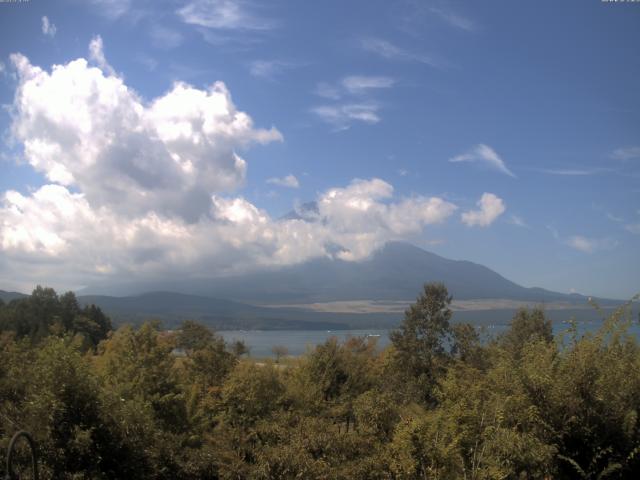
(467, 346)
(193, 336)
(527, 326)
(138, 365)
(239, 348)
(420, 341)
(250, 393)
(69, 309)
(45, 313)
(279, 351)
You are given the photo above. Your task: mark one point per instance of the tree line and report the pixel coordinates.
(438, 403)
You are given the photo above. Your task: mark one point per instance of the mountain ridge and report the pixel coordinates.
(370, 293)
(397, 271)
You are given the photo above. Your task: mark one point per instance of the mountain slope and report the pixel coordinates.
(395, 272)
(8, 296)
(172, 308)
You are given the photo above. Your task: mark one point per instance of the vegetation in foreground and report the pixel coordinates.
(436, 404)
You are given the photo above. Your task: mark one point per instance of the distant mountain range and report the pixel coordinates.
(8, 296)
(288, 298)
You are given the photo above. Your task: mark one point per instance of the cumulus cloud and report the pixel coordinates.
(490, 208)
(85, 129)
(289, 181)
(360, 219)
(48, 28)
(486, 155)
(55, 233)
(141, 189)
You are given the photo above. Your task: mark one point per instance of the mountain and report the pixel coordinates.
(8, 296)
(171, 308)
(367, 294)
(394, 273)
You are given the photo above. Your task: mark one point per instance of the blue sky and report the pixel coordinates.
(505, 133)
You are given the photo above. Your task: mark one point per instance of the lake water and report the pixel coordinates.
(297, 342)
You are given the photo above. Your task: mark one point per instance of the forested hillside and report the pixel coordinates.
(437, 404)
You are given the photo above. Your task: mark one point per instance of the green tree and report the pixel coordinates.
(527, 326)
(250, 393)
(193, 336)
(137, 365)
(239, 348)
(279, 351)
(420, 342)
(467, 346)
(44, 313)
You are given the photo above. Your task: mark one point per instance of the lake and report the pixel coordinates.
(297, 342)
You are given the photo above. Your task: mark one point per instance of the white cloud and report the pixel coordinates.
(389, 51)
(57, 234)
(164, 37)
(454, 19)
(268, 68)
(224, 15)
(139, 190)
(149, 63)
(289, 181)
(518, 221)
(573, 171)
(96, 53)
(327, 90)
(358, 84)
(486, 155)
(614, 218)
(113, 9)
(48, 28)
(626, 153)
(80, 127)
(633, 228)
(585, 244)
(554, 231)
(359, 218)
(590, 245)
(343, 116)
(490, 208)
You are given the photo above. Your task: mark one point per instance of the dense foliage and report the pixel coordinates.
(438, 403)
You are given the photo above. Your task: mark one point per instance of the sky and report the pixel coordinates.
(164, 138)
